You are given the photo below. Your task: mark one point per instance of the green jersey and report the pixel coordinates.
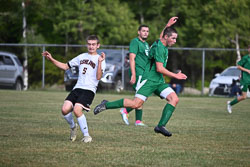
(245, 62)
(141, 50)
(158, 53)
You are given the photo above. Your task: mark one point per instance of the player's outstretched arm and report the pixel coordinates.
(59, 64)
(171, 21)
(161, 69)
(243, 69)
(99, 68)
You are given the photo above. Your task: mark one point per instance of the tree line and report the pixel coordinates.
(201, 24)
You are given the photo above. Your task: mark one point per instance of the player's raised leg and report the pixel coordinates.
(68, 116)
(104, 105)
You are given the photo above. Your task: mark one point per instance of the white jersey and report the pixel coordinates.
(87, 65)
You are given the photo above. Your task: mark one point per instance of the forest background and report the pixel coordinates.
(201, 24)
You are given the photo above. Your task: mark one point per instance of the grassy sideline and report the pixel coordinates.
(33, 133)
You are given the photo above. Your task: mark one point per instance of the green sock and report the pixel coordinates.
(235, 101)
(129, 109)
(114, 104)
(138, 114)
(166, 114)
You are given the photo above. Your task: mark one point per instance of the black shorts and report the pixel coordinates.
(82, 96)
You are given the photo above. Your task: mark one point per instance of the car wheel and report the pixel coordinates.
(118, 85)
(18, 85)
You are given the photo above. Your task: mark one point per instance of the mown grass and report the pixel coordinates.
(33, 133)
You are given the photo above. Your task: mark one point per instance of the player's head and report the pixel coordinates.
(143, 32)
(170, 35)
(93, 44)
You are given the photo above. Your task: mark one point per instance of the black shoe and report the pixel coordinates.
(101, 107)
(162, 130)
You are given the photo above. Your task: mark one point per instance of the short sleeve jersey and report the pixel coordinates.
(141, 50)
(245, 62)
(87, 65)
(158, 53)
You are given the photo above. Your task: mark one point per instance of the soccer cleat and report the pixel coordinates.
(139, 123)
(124, 115)
(229, 107)
(100, 107)
(162, 130)
(73, 133)
(87, 139)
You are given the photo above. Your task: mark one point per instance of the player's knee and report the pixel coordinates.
(244, 97)
(173, 99)
(65, 110)
(137, 106)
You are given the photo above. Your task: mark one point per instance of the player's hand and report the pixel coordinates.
(101, 57)
(133, 79)
(180, 75)
(47, 55)
(172, 21)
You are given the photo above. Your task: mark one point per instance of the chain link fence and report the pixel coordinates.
(199, 64)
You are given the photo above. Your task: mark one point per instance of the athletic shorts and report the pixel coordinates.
(245, 87)
(82, 96)
(149, 87)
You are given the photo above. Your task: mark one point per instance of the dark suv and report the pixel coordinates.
(112, 77)
(11, 71)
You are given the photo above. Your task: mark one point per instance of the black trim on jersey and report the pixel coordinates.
(69, 65)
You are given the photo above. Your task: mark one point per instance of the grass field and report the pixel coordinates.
(33, 133)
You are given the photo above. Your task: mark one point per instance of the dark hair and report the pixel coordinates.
(140, 27)
(93, 37)
(169, 31)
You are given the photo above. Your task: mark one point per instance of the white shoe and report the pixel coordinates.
(73, 133)
(87, 139)
(229, 107)
(124, 116)
(140, 124)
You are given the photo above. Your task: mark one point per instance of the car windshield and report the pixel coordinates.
(112, 55)
(231, 72)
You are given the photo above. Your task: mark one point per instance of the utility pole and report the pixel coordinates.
(236, 42)
(25, 62)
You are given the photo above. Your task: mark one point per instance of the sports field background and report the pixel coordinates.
(33, 133)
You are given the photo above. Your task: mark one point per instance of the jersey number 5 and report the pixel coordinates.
(84, 70)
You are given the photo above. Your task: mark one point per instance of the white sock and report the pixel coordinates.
(83, 125)
(69, 118)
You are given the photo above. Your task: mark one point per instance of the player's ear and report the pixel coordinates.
(98, 45)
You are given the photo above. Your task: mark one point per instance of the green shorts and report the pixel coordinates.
(245, 87)
(148, 87)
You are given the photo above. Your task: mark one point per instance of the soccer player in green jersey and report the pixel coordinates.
(153, 82)
(244, 66)
(138, 58)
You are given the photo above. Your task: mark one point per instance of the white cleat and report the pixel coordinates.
(87, 139)
(124, 116)
(73, 133)
(229, 107)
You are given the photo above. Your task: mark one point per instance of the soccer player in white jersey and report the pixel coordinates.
(91, 67)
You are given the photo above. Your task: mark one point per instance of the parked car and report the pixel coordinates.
(221, 84)
(112, 77)
(11, 71)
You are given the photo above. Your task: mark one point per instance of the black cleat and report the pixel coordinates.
(162, 130)
(100, 107)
